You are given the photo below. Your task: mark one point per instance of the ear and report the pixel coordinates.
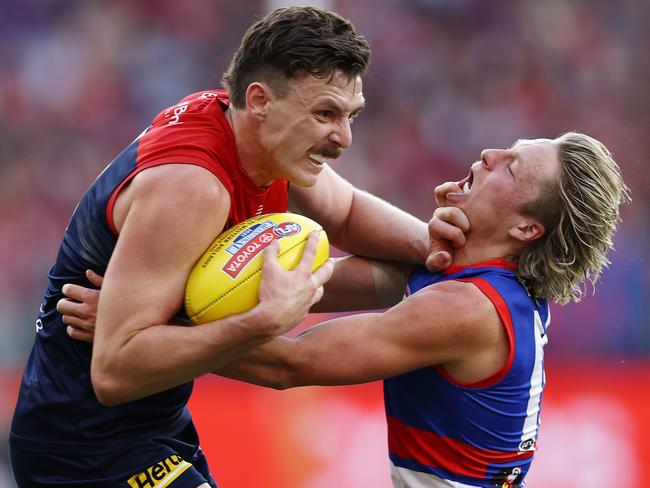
(527, 231)
(258, 96)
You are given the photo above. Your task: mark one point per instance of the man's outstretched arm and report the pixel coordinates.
(452, 324)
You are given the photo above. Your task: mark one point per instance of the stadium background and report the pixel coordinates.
(79, 80)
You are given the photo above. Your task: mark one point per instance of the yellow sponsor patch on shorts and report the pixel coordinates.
(160, 474)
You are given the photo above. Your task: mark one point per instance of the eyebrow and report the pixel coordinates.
(332, 104)
(518, 156)
(516, 152)
(359, 110)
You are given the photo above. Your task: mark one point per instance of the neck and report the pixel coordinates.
(250, 151)
(478, 251)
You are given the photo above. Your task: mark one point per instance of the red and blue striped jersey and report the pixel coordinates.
(445, 433)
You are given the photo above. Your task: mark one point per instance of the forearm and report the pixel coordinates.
(360, 223)
(362, 284)
(273, 365)
(328, 354)
(160, 357)
(376, 229)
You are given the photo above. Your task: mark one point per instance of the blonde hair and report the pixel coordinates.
(580, 212)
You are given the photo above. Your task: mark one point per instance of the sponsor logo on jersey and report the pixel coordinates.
(509, 478)
(178, 111)
(160, 474)
(527, 445)
(253, 240)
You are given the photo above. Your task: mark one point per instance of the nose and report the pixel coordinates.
(342, 134)
(490, 158)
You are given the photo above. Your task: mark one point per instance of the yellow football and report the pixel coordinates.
(226, 279)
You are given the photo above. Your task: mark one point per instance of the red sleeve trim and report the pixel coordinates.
(506, 319)
(491, 263)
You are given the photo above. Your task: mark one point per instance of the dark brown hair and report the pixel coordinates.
(291, 42)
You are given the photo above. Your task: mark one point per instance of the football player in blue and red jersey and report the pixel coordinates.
(462, 355)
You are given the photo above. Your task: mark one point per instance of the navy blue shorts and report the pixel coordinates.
(157, 462)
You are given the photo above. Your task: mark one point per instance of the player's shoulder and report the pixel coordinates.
(462, 305)
(454, 292)
(171, 181)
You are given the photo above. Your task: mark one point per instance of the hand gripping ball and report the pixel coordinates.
(226, 279)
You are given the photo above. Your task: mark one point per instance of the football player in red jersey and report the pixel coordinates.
(205, 164)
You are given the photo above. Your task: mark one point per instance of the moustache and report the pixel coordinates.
(329, 152)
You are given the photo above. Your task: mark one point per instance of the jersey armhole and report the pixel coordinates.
(221, 175)
(506, 320)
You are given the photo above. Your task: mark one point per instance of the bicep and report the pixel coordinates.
(162, 235)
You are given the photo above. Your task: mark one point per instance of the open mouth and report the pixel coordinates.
(466, 183)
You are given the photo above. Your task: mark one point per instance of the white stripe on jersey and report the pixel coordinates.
(406, 478)
(537, 380)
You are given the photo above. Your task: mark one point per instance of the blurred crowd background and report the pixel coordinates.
(80, 79)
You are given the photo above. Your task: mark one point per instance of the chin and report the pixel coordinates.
(307, 182)
(307, 178)
(304, 181)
